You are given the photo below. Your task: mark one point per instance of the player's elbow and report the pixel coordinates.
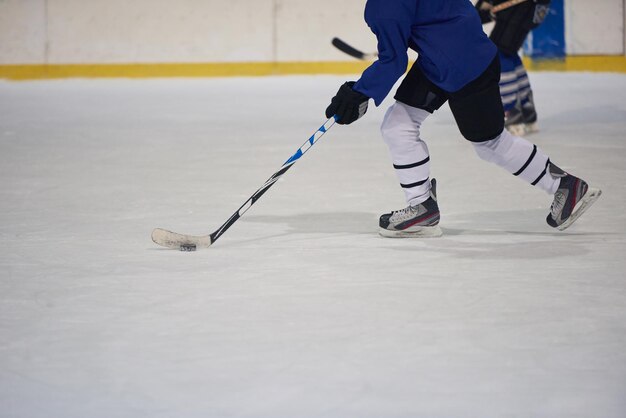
(397, 64)
(401, 65)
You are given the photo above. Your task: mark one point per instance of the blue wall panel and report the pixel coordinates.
(548, 40)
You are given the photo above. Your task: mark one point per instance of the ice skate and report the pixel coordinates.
(420, 221)
(521, 120)
(529, 115)
(514, 120)
(572, 199)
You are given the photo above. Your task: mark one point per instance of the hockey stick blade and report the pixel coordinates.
(352, 51)
(181, 242)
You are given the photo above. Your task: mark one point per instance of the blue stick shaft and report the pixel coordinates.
(274, 178)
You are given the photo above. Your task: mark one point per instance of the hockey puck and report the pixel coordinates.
(188, 247)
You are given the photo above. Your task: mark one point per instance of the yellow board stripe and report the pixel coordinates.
(596, 63)
(33, 72)
(38, 71)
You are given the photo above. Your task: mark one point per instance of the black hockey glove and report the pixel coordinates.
(541, 11)
(348, 104)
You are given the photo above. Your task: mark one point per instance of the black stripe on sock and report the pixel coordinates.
(530, 159)
(404, 167)
(543, 173)
(408, 186)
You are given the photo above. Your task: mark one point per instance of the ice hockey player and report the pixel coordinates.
(511, 28)
(456, 63)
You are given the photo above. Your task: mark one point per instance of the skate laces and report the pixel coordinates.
(557, 204)
(403, 214)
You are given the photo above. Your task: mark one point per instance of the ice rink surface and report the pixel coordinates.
(300, 309)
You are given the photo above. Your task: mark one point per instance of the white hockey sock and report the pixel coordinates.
(409, 154)
(520, 158)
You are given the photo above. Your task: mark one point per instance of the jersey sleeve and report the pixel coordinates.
(393, 36)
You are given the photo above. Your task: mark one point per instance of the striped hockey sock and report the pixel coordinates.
(520, 158)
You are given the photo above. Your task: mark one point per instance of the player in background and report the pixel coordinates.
(456, 63)
(511, 28)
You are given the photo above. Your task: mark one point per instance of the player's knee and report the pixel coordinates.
(387, 126)
(402, 121)
(486, 149)
(478, 133)
(477, 107)
(395, 120)
(479, 116)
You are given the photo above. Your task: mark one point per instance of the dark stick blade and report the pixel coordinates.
(347, 49)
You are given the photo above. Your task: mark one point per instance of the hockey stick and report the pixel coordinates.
(500, 7)
(182, 242)
(353, 52)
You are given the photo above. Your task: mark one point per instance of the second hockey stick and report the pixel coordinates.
(183, 242)
(352, 51)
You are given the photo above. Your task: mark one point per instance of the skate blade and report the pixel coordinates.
(414, 232)
(517, 129)
(531, 128)
(581, 207)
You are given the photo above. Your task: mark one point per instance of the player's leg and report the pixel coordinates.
(527, 102)
(508, 34)
(416, 99)
(510, 88)
(478, 111)
(409, 153)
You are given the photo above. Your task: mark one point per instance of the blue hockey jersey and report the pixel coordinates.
(447, 35)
